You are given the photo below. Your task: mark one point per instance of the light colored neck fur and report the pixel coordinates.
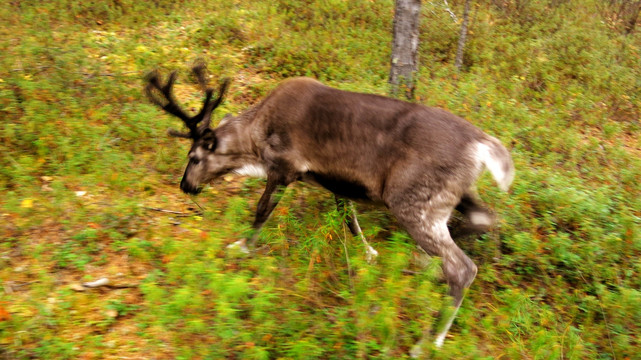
(254, 170)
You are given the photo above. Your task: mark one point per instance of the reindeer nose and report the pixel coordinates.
(189, 189)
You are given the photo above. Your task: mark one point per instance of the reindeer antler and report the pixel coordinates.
(170, 105)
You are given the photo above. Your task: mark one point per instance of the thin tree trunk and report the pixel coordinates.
(405, 47)
(458, 62)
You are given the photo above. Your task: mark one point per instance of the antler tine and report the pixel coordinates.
(168, 104)
(200, 70)
(179, 134)
(221, 92)
(153, 79)
(172, 106)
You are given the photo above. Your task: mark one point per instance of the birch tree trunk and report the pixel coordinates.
(405, 47)
(458, 62)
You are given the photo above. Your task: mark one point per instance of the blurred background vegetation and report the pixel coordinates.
(89, 185)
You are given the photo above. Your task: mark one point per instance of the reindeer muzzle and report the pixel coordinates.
(190, 189)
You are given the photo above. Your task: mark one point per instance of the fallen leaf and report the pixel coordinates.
(112, 313)
(26, 203)
(77, 287)
(97, 283)
(4, 314)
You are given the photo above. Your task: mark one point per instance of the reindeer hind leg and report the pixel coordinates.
(476, 220)
(474, 211)
(426, 222)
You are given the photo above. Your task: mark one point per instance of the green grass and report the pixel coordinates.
(85, 164)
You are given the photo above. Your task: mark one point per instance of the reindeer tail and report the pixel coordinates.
(491, 153)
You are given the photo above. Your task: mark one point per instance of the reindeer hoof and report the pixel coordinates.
(370, 254)
(440, 340)
(417, 351)
(240, 245)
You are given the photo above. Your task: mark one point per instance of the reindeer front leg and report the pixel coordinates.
(346, 207)
(275, 186)
(268, 201)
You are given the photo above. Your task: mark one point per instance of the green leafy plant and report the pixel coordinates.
(89, 184)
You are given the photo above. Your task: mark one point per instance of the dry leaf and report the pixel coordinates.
(77, 287)
(97, 283)
(26, 203)
(4, 314)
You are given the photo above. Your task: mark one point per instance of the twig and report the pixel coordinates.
(97, 283)
(410, 272)
(168, 211)
(122, 286)
(605, 319)
(293, 293)
(197, 204)
(349, 267)
(11, 286)
(87, 74)
(452, 14)
(104, 282)
(41, 67)
(91, 75)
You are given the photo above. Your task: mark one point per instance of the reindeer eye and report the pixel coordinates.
(195, 161)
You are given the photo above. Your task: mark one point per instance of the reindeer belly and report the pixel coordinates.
(349, 188)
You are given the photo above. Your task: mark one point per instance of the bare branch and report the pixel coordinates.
(452, 14)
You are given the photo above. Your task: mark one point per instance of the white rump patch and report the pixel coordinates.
(495, 165)
(253, 170)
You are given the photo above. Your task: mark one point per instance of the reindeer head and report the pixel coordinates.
(204, 162)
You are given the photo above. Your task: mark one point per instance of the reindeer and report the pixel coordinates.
(420, 162)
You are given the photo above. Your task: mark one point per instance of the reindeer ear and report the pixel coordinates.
(226, 118)
(209, 139)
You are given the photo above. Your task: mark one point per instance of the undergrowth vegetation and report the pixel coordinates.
(89, 185)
